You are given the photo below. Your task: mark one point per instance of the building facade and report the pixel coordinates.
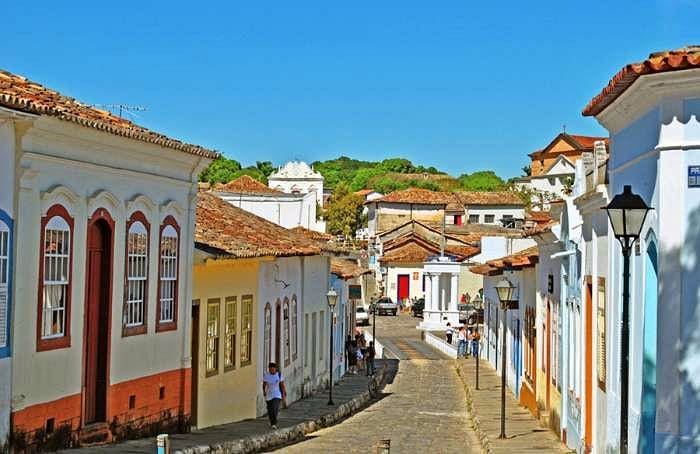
(297, 177)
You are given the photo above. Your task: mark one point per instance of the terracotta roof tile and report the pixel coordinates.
(523, 259)
(415, 195)
(347, 268)
(246, 184)
(232, 232)
(21, 94)
(659, 62)
(414, 249)
(489, 198)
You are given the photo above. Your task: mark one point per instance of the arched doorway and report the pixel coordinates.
(97, 315)
(651, 293)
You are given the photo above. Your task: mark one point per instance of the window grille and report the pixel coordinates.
(56, 277)
(168, 273)
(136, 275)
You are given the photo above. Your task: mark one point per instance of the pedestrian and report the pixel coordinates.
(461, 341)
(468, 345)
(352, 357)
(476, 337)
(448, 333)
(274, 391)
(360, 359)
(371, 353)
(348, 342)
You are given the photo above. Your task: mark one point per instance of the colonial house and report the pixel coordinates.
(517, 325)
(8, 119)
(240, 321)
(286, 209)
(552, 168)
(105, 211)
(399, 207)
(651, 110)
(297, 177)
(404, 251)
(504, 208)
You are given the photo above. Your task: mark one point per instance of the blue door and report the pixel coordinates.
(649, 353)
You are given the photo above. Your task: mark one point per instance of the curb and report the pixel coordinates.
(476, 422)
(287, 435)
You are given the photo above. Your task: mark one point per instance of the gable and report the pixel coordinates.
(561, 165)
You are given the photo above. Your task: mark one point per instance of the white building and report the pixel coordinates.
(297, 177)
(502, 208)
(651, 110)
(105, 211)
(288, 210)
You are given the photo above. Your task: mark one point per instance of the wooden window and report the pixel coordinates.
(55, 280)
(230, 334)
(212, 354)
(295, 330)
(168, 275)
(246, 330)
(473, 218)
(136, 292)
(268, 336)
(285, 329)
(489, 218)
(4, 282)
(602, 340)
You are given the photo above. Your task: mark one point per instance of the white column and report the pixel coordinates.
(454, 286)
(435, 283)
(428, 292)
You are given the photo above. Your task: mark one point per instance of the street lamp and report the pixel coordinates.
(478, 303)
(332, 298)
(507, 295)
(627, 212)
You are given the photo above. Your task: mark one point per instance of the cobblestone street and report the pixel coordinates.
(423, 410)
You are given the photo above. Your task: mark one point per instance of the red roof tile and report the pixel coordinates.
(246, 184)
(659, 62)
(415, 249)
(232, 232)
(489, 198)
(523, 259)
(21, 94)
(415, 195)
(347, 268)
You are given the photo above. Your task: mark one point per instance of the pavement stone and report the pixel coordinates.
(523, 432)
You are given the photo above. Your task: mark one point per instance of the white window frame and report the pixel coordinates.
(168, 274)
(54, 262)
(136, 294)
(4, 281)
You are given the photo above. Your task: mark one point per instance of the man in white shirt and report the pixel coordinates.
(275, 392)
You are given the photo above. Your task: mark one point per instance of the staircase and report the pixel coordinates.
(95, 434)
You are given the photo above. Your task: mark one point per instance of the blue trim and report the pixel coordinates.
(6, 352)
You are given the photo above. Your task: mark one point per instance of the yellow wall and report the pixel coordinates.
(228, 395)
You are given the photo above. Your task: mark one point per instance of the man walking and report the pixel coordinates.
(371, 353)
(461, 342)
(448, 333)
(274, 391)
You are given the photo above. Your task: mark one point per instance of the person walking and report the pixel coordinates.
(352, 357)
(371, 353)
(476, 337)
(448, 333)
(468, 345)
(274, 391)
(348, 344)
(461, 341)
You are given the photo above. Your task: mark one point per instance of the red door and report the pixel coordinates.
(403, 292)
(98, 284)
(458, 219)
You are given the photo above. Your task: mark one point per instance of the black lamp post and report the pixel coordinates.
(627, 212)
(478, 303)
(332, 298)
(507, 294)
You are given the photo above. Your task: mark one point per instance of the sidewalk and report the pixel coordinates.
(523, 431)
(253, 435)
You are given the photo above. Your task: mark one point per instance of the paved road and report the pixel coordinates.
(423, 409)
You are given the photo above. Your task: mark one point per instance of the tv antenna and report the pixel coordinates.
(123, 109)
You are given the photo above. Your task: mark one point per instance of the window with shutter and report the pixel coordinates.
(246, 330)
(601, 357)
(4, 281)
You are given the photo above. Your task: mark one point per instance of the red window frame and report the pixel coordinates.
(143, 328)
(63, 341)
(171, 325)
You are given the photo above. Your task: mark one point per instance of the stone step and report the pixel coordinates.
(95, 434)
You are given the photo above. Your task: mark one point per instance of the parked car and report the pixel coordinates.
(470, 314)
(361, 316)
(385, 305)
(417, 307)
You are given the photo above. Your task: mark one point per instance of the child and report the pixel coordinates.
(448, 333)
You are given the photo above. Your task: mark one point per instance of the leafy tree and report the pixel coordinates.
(362, 178)
(252, 172)
(344, 211)
(527, 170)
(221, 170)
(265, 167)
(399, 165)
(485, 180)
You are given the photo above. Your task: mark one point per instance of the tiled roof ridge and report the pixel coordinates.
(525, 258)
(245, 184)
(411, 195)
(658, 62)
(34, 98)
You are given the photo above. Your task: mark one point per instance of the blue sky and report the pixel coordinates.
(460, 85)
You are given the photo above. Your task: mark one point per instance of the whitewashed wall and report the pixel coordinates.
(498, 211)
(287, 210)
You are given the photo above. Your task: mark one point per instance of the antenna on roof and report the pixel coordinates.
(123, 109)
(563, 128)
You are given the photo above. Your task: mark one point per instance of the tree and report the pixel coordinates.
(252, 172)
(265, 167)
(221, 170)
(485, 180)
(398, 165)
(344, 211)
(527, 170)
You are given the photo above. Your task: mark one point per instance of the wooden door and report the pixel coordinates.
(588, 435)
(278, 336)
(195, 360)
(403, 287)
(98, 283)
